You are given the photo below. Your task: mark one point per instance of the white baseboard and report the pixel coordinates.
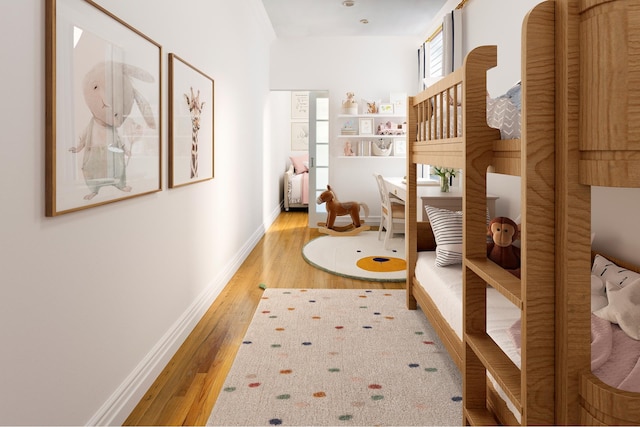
(120, 404)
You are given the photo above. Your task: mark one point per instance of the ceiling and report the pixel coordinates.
(313, 18)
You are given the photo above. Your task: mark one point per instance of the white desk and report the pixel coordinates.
(432, 196)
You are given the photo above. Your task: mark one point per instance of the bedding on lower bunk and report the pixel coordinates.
(615, 324)
(444, 286)
(614, 355)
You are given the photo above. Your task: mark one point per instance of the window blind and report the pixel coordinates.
(436, 55)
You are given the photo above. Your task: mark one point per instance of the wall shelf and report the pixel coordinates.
(374, 123)
(373, 116)
(372, 157)
(372, 136)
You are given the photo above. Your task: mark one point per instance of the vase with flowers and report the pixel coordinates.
(445, 174)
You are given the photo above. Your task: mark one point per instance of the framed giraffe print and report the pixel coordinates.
(191, 124)
(103, 108)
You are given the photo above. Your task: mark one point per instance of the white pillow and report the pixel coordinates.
(447, 230)
(623, 308)
(598, 295)
(300, 163)
(608, 271)
(597, 286)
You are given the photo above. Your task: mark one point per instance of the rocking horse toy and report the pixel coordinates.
(336, 208)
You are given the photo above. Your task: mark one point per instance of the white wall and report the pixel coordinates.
(614, 220)
(93, 303)
(372, 68)
(498, 22)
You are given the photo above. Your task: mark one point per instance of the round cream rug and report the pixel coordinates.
(361, 257)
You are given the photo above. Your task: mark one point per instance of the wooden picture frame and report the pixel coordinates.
(300, 105)
(299, 136)
(399, 102)
(400, 147)
(103, 117)
(191, 124)
(385, 109)
(365, 126)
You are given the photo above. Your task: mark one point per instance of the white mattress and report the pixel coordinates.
(444, 286)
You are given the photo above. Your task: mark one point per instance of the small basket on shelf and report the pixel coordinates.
(381, 147)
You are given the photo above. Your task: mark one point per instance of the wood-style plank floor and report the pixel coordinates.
(185, 391)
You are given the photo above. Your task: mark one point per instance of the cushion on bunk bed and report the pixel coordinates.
(598, 293)
(447, 230)
(623, 308)
(503, 114)
(610, 271)
(515, 95)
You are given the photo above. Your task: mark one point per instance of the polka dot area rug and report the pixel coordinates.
(360, 257)
(321, 357)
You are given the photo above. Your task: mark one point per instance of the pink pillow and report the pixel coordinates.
(300, 164)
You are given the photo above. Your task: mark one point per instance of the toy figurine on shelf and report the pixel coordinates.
(348, 151)
(349, 105)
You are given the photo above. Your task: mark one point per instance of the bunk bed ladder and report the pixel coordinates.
(530, 387)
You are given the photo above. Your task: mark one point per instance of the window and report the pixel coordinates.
(435, 48)
(431, 57)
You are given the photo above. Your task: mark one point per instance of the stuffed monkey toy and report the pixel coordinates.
(504, 231)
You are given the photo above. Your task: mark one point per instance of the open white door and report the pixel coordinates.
(318, 154)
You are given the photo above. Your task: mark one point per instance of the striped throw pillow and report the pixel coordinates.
(447, 230)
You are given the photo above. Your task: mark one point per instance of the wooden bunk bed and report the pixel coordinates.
(553, 383)
(603, 144)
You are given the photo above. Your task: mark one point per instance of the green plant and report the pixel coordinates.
(444, 172)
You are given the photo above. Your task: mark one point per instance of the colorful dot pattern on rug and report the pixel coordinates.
(339, 357)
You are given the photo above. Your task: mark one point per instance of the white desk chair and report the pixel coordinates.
(392, 213)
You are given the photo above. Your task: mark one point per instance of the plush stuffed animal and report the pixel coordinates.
(336, 208)
(504, 231)
(109, 94)
(349, 105)
(350, 101)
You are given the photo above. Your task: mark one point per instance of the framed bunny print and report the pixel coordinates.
(103, 108)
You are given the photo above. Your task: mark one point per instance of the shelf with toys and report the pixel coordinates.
(377, 131)
(374, 147)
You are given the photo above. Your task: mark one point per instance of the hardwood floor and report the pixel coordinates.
(185, 391)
